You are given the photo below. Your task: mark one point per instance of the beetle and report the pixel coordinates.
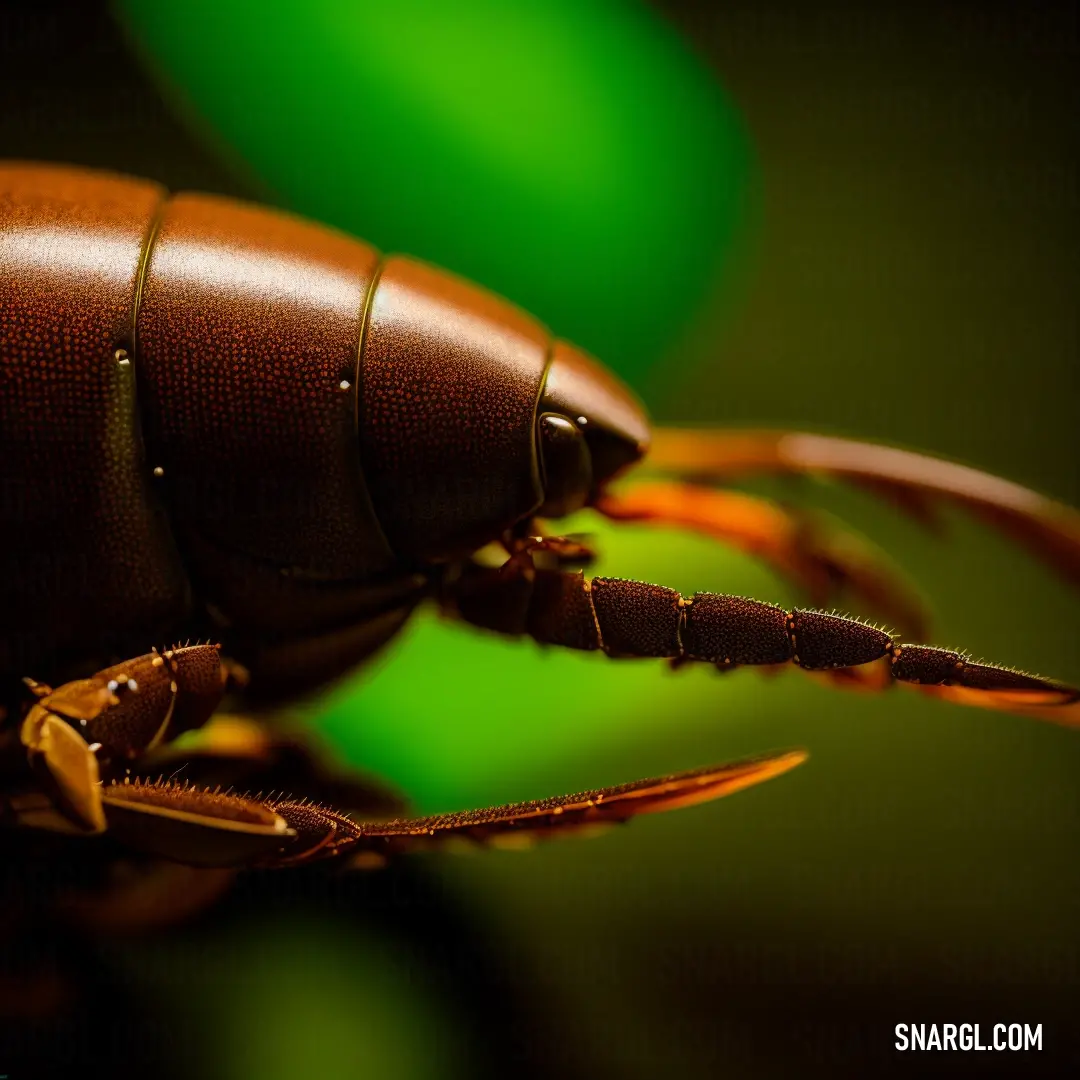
(225, 423)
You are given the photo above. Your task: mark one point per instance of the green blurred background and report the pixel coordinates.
(577, 157)
(902, 266)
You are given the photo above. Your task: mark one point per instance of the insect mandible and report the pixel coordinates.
(223, 423)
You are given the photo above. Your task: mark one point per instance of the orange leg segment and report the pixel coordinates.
(914, 482)
(822, 561)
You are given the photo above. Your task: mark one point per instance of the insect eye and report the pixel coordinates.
(604, 411)
(566, 465)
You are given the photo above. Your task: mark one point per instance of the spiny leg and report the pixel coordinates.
(916, 482)
(188, 823)
(129, 708)
(520, 824)
(636, 619)
(193, 825)
(126, 710)
(211, 828)
(80, 730)
(822, 561)
(237, 753)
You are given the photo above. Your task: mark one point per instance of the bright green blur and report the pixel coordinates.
(573, 155)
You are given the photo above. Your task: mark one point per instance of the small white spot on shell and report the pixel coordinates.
(94, 747)
(133, 686)
(113, 684)
(582, 421)
(159, 471)
(344, 384)
(122, 359)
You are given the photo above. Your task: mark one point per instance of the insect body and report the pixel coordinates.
(222, 422)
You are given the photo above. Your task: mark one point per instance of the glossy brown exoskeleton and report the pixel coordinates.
(223, 423)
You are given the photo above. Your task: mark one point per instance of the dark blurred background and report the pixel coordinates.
(913, 278)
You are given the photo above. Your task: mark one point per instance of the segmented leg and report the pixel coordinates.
(193, 825)
(561, 550)
(915, 482)
(821, 561)
(129, 708)
(520, 824)
(636, 619)
(188, 822)
(79, 731)
(207, 828)
(130, 705)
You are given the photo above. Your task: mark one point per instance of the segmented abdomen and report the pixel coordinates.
(181, 412)
(85, 550)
